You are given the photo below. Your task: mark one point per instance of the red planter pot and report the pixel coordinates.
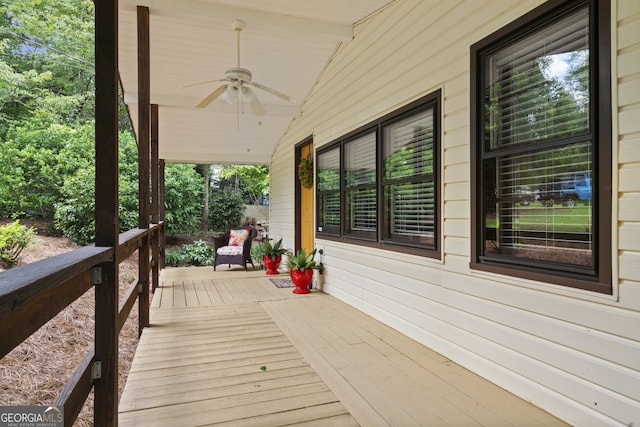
(301, 279)
(272, 263)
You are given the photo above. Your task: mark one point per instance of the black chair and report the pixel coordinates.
(234, 254)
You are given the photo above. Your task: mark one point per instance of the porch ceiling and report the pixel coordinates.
(286, 44)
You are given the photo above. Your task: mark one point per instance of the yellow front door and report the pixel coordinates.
(306, 207)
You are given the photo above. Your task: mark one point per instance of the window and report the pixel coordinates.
(408, 180)
(387, 193)
(328, 191)
(541, 144)
(360, 186)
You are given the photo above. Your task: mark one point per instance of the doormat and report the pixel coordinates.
(282, 283)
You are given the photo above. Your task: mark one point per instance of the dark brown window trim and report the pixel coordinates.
(432, 100)
(600, 16)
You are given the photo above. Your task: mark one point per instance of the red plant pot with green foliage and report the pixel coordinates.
(272, 263)
(301, 279)
(272, 255)
(301, 268)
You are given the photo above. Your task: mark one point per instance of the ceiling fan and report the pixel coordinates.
(237, 81)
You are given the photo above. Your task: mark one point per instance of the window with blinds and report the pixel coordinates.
(361, 207)
(328, 191)
(378, 186)
(537, 139)
(409, 181)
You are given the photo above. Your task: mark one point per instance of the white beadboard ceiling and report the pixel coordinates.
(286, 44)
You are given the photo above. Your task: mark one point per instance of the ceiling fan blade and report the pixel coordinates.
(272, 91)
(257, 107)
(202, 83)
(211, 97)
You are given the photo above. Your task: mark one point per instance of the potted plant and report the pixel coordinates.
(301, 268)
(272, 255)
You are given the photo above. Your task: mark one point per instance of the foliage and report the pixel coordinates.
(34, 161)
(256, 252)
(183, 198)
(267, 249)
(47, 60)
(196, 253)
(47, 97)
(300, 260)
(75, 215)
(13, 239)
(75, 212)
(250, 180)
(226, 209)
(305, 172)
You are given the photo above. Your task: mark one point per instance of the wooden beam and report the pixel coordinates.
(161, 211)
(107, 221)
(77, 390)
(144, 143)
(155, 202)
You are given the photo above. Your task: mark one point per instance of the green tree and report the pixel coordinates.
(250, 180)
(54, 39)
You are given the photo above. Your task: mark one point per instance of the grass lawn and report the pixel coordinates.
(556, 218)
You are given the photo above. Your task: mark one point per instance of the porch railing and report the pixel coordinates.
(31, 295)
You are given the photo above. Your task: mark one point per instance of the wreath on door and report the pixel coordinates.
(305, 172)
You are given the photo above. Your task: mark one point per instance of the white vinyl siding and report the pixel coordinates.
(571, 352)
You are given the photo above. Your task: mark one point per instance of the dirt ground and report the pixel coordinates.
(35, 372)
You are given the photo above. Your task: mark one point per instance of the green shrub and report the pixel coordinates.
(175, 258)
(256, 253)
(183, 198)
(226, 209)
(75, 212)
(196, 253)
(13, 239)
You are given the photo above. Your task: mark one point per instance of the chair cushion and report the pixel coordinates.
(230, 250)
(237, 237)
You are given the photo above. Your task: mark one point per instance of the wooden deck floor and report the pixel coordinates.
(230, 348)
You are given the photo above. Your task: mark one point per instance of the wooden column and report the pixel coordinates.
(161, 211)
(107, 229)
(155, 212)
(144, 142)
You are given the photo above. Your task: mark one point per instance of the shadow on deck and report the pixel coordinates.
(230, 348)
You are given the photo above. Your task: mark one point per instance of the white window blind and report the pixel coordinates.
(360, 183)
(538, 148)
(538, 87)
(360, 161)
(409, 180)
(328, 189)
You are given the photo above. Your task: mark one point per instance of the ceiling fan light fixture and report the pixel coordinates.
(230, 94)
(238, 78)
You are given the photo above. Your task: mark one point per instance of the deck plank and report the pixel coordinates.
(325, 364)
(231, 363)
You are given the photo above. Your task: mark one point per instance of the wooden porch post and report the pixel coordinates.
(144, 129)
(107, 228)
(155, 213)
(161, 211)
